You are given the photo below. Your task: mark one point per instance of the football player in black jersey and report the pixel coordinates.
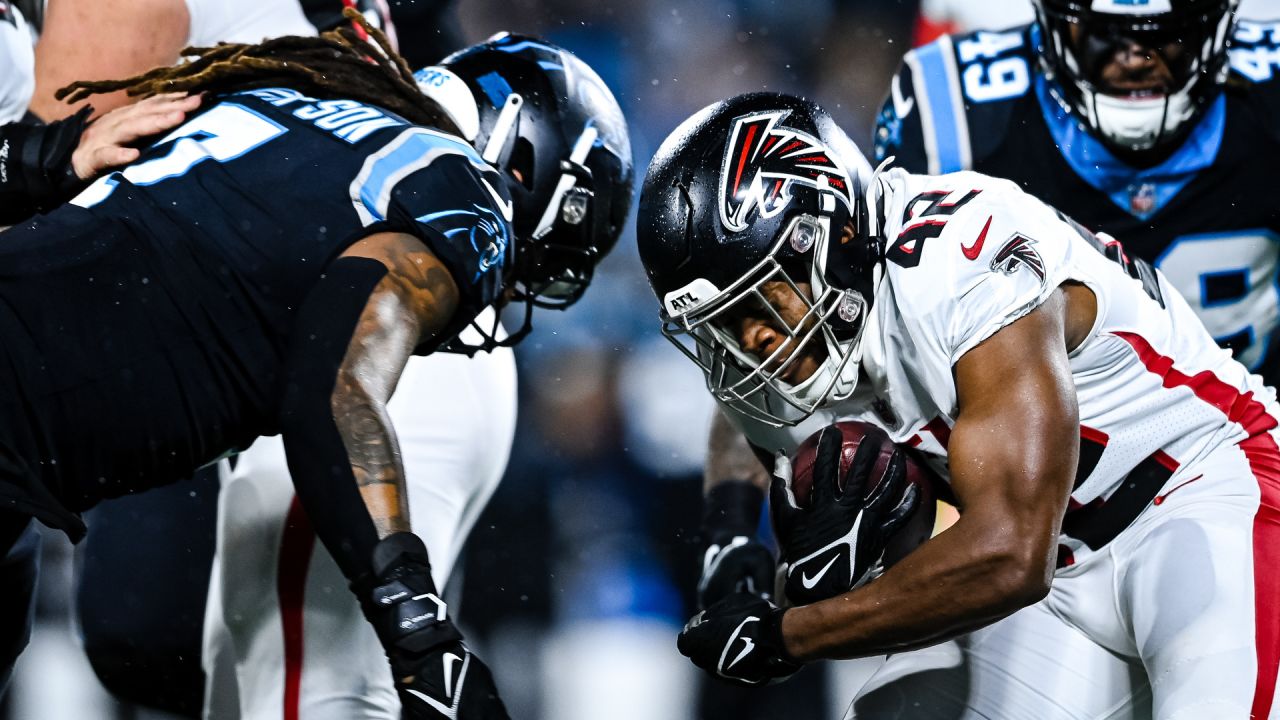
(1143, 120)
(270, 266)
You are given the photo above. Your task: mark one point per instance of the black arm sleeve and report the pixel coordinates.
(318, 459)
(35, 166)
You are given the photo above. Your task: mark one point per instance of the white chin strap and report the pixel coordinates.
(1139, 123)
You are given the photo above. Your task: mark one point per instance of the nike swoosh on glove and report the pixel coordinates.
(451, 684)
(837, 543)
(739, 640)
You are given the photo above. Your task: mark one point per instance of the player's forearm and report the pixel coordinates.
(730, 458)
(335, 429)
(374, 455)
(965, 578)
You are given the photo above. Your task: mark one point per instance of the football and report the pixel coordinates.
(919, 527)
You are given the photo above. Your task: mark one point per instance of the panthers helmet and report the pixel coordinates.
(549, 123)
(757, 189)
(1079, 37)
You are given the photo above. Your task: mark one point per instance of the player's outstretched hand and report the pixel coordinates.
(106, 141)
(450, 683)
(831, 545)
(739, 639)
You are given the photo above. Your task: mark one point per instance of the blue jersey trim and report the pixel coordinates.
(935, 80)
(403, 161)
(1141, 193)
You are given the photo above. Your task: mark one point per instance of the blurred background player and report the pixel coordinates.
(1141, 121)
(959, 17)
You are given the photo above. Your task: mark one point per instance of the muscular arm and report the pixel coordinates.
(104, 40)
(1012, 455)
(409, 305)
(383, 297)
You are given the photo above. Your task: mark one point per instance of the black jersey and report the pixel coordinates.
(143, 327)
(1207, 216)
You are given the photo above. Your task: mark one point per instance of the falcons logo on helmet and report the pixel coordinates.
(761, 162)
(1018, 251)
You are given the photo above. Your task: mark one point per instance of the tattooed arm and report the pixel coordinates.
(411, 304)
(383, 297)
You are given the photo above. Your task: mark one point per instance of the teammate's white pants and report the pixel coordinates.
(284, 636)
(1178, 618)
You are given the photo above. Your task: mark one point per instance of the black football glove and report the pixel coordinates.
(838, 541)
(436, 676)
(739, 640)
(732, 559)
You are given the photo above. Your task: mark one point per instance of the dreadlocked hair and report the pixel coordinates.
(341, 63)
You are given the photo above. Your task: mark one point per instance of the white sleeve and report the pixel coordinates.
(245, 21)
(17, 58)
(996, 261)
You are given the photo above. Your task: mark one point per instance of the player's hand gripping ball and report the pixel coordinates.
(848, 504)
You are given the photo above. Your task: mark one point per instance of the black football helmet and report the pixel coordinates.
(1191, 37)
(549, 123)
(756, 189)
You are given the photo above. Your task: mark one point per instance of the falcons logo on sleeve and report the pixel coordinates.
(761, 162)
(1018, 251)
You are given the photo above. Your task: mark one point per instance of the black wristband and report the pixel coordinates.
(771, 634)
(401, 601)
(36, 173)
(732, 508)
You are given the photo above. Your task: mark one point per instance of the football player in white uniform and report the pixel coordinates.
(1118, 473)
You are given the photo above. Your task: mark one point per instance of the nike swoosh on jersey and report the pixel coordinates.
(973, 251)
(809, 582)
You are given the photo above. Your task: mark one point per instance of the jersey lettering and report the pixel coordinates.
(909, 245)
(347, 119)
(988, 72)
(222, 134)
(1256, 52)
(1230, 280)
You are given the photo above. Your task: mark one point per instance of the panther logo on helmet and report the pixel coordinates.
(762, 161)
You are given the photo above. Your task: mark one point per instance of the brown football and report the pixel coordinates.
(919, 527)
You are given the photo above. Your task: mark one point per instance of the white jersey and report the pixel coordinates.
(970, 254)
(17, 64)
(244, 21)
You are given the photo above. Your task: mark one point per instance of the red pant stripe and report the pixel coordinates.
(291, 585)
(1264, 461)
